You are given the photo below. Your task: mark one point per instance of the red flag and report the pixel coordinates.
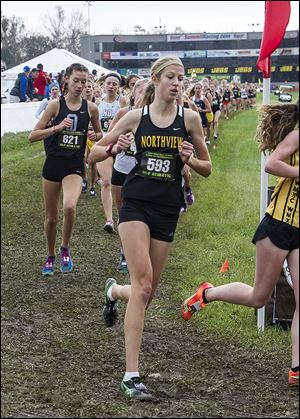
(277, 16)
(225, 266)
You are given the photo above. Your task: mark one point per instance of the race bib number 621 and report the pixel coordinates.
(70, 140)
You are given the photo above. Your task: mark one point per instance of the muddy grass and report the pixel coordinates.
(59, 360)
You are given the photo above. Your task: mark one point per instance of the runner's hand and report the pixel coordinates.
(92, 135)
(123, 142)
(186, 150)
(66, 123)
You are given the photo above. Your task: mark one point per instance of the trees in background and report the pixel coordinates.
(13, 32)
(19, 44)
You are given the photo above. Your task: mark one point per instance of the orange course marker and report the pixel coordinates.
(225, 266)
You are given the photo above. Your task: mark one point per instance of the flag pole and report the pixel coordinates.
(263, 193)
(277, 15)
(264, 156)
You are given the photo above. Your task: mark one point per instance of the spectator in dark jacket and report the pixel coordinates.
(30, 86)
(18, 92)
(40, 83)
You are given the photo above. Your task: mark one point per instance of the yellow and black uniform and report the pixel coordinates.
(236, 92)
(284, 204)
(65, 149)
(281, 222)
(152, 192)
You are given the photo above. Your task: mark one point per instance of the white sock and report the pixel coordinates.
(129, 375)
(109, 291)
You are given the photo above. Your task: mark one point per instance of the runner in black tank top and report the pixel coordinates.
(152, 198)
(70, 143)
(63, 168)
(88, 94)
(157, 176)
(216, 109)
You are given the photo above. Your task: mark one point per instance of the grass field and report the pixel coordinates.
(58, 360)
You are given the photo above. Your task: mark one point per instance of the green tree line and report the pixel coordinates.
(18, 43)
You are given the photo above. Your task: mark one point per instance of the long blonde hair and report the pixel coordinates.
(275, 123)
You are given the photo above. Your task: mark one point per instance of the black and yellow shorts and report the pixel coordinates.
(161, 219)
(281, 234)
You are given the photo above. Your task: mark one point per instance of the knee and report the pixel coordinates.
(69, 210)
(259, 302)
(144, 292)
(145, 295)
(105, 183)
(51, 221)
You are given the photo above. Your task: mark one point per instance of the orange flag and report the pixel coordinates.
(225, 266)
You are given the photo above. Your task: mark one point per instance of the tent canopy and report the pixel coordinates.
(55, 61)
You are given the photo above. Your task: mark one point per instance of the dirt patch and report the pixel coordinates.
(59, 360)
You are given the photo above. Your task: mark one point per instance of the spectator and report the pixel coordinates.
(30, 85)
(40, 83)
(3, 66)
(94, 73)
(18, 92)
(53, 81)
(61, 81)
(54, 94)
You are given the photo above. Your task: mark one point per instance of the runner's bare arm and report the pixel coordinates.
(276, 164)
(192, 106)
(41, 131)
(127, 123)
(121, 112)
(207, 105)
(202, 162)
(96, 134)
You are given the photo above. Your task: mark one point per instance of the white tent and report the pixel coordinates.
(55, 61)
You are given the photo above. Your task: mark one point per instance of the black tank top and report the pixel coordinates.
(236, 92)
(226, 96)
(157, 176)
(216, 100)
(70, 143)
(200, 104)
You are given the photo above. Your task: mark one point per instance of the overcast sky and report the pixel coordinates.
(192, 16)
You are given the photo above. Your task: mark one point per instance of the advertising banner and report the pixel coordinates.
(206, 37)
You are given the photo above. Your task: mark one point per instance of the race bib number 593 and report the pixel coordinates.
(159, 166)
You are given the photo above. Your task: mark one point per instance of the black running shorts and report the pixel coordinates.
(56, 168)
(161, 219)
(281, 234)
(118, 178)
